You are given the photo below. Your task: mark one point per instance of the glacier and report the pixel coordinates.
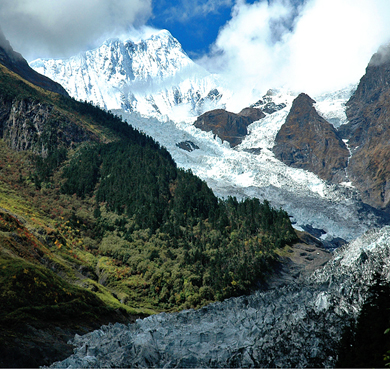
(296, 325)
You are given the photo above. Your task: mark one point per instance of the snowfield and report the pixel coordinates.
(154, 77)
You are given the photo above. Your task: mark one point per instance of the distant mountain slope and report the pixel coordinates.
(15, 62)
(250, 169)
(153, 76)
(365, 131)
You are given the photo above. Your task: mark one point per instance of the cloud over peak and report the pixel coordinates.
(63, 27)
(318, 46)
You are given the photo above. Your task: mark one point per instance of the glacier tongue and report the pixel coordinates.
(297, 325)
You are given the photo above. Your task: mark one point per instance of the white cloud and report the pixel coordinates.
(334, 41)
(327, 46)
(185, 10)
(213, 6)
(64, 27)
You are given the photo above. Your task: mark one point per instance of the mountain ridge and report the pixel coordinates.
(367, 133)
(15, 62)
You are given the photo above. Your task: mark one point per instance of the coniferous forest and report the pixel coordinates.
(170, 230)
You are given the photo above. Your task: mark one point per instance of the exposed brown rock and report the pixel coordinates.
(368, 131)
(228, 126)
(252, 113)
(17, 64)
(308, 141)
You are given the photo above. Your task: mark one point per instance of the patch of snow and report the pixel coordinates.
(298, 228)
(324, 236)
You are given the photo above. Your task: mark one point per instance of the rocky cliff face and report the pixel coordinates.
(29, 125)
(228, 126)
(368, 133)
(15, 62)
(298, 325)
(308, 141)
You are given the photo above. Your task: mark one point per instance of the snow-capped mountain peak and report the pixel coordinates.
(152, 76)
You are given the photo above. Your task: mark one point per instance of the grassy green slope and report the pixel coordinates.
(108, 227)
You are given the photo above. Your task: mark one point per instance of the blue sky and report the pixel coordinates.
(308, 45)
(61, 28)
(194, 23)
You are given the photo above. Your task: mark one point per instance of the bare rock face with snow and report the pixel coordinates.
(267, 105)
(153, 77)
(368, 132)
(187, 146)
(308, 141)
(228, 126)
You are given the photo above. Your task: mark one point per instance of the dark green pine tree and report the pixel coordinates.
(364, 343)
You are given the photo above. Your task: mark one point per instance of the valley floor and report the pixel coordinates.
(299, 261)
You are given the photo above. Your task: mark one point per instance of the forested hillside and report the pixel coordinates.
(97, 214)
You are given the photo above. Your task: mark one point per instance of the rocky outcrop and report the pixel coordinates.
(368, 132)
(187, 146)
(252, 113)
(308, 141)
(298, 325)
(17, 64)
(267, 105)
(228, 126)
(29, 125)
